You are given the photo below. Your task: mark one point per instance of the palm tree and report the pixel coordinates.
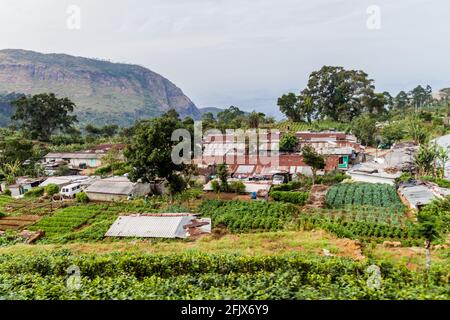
(11, 171)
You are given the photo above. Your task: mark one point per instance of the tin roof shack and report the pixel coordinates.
(22, 185)
(417, 193)
(116, 188)
(164, 225)
(444, 142)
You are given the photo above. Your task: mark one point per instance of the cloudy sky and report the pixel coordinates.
(244, 52)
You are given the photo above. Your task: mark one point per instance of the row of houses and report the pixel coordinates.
(341, 150)
(80, 160)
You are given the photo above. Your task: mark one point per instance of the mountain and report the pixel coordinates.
(104, 92)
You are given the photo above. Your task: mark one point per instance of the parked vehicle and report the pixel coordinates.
(278, 179)
(71, 190)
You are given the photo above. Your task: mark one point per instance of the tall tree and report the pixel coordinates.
(150, 151)
(363, 127)
(420, 96)
(401, 100)
(334, 93)
(42, 115)
(313, 159)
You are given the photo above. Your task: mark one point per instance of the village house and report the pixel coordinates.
(21, 186)
(91, 158)
(116, 188)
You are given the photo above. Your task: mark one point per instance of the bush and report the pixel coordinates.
(237, 187)
(35, 192)
(215, 185)
(293, 185)
(332, 177)
(7, 192)
(299, 198)
(82, 197)
(51, 189)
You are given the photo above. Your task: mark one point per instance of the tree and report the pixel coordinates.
(255, 119)
(109, 130)
(288, 106)
(334, 93)
(288, 142)
(364, 129)
(416, 130)
(150, 151)
(425, 160)
(208, 121)
(222, 172)
(42, 115)
(337, 93)
(313, 159)
(434, 224)
(443, 155)
(401, 100)
(231, 118)
(14, 147)
(419, 96)
(393, 132)
(112, 159)
(10, 171)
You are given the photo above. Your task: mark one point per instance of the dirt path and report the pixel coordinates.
(317, 197)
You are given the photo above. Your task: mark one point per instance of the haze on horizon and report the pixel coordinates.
(245, 53)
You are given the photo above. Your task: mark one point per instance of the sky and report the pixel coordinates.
(245, 53)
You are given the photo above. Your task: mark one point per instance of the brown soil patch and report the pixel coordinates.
(17, 223)
(317, 197)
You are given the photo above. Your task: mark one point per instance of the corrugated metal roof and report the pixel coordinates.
(245, 169)
(80, 155)
(114, 185)
(417, 195)
(163, 226)
(64, 180)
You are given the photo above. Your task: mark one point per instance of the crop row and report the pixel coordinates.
(362, 225)
(204, 276)
(243, 216)
(377, 195)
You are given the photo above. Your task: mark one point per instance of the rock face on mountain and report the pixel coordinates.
(104, 92)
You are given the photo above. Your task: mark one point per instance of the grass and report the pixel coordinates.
(309, 243)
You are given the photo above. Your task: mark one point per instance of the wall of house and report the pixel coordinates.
(93, 196)
(90, 163)
(370, 178)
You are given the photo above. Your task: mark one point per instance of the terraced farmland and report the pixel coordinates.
(363, 194)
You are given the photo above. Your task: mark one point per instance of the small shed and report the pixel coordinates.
(165, 225)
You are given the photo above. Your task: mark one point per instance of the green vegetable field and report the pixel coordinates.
(206, 276)
(361, 194)
(242, 216)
